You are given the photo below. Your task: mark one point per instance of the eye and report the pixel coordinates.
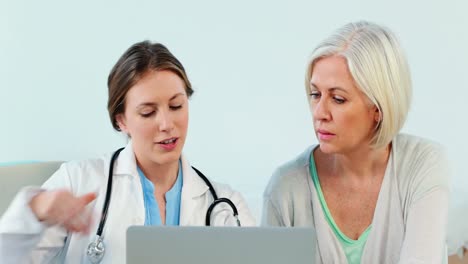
(175, 107)
(314, 94)
(339, 100)
(147, 114)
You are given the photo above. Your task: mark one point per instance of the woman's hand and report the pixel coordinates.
(61, 207)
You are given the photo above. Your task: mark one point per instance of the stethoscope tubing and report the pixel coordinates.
(96, 249)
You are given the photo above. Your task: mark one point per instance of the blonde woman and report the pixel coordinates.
(374, 195)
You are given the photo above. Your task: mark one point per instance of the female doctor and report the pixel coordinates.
(81, 213)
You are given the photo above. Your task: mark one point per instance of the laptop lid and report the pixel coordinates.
(227, 245)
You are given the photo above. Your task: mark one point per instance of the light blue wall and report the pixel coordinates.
(246, 60)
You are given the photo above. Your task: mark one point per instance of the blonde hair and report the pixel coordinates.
(379, 68)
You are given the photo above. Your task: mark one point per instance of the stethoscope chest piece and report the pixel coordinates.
(96, 250)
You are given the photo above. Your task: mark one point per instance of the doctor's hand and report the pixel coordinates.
(61, 207)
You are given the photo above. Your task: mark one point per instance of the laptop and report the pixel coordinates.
(215, 245)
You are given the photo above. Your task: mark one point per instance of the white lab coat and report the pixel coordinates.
(23, 239)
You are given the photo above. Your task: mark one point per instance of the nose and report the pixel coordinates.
(320, 110)
(165, 121)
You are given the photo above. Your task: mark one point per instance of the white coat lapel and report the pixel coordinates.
(126, 163)
(193, 187)
(125, 172)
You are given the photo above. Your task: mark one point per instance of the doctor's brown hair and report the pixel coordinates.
(139, 59)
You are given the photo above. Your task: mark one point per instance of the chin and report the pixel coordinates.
(169, 158)
(328, 148)
(165, 158)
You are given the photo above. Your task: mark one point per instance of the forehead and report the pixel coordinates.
(331, 72)
(155, 86)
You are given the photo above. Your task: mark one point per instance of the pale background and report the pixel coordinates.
(246, 61)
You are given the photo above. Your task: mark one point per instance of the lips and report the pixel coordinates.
(324, 134)
(169, 143)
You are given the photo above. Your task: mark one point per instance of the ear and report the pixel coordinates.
(122, 122)
(377, 115)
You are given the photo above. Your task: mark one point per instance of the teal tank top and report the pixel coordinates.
(352, 248)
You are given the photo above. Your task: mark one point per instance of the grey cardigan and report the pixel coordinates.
(410, 218)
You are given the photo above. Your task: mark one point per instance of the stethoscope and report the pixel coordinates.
(96, 249)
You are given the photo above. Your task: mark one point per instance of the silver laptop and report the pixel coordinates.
(226, 245)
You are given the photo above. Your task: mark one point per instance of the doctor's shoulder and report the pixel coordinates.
(225, 191)
(81, 176)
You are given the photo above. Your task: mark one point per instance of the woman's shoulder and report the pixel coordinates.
(291, 175)
(408, 142)
(421, 164)
(414, 150)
